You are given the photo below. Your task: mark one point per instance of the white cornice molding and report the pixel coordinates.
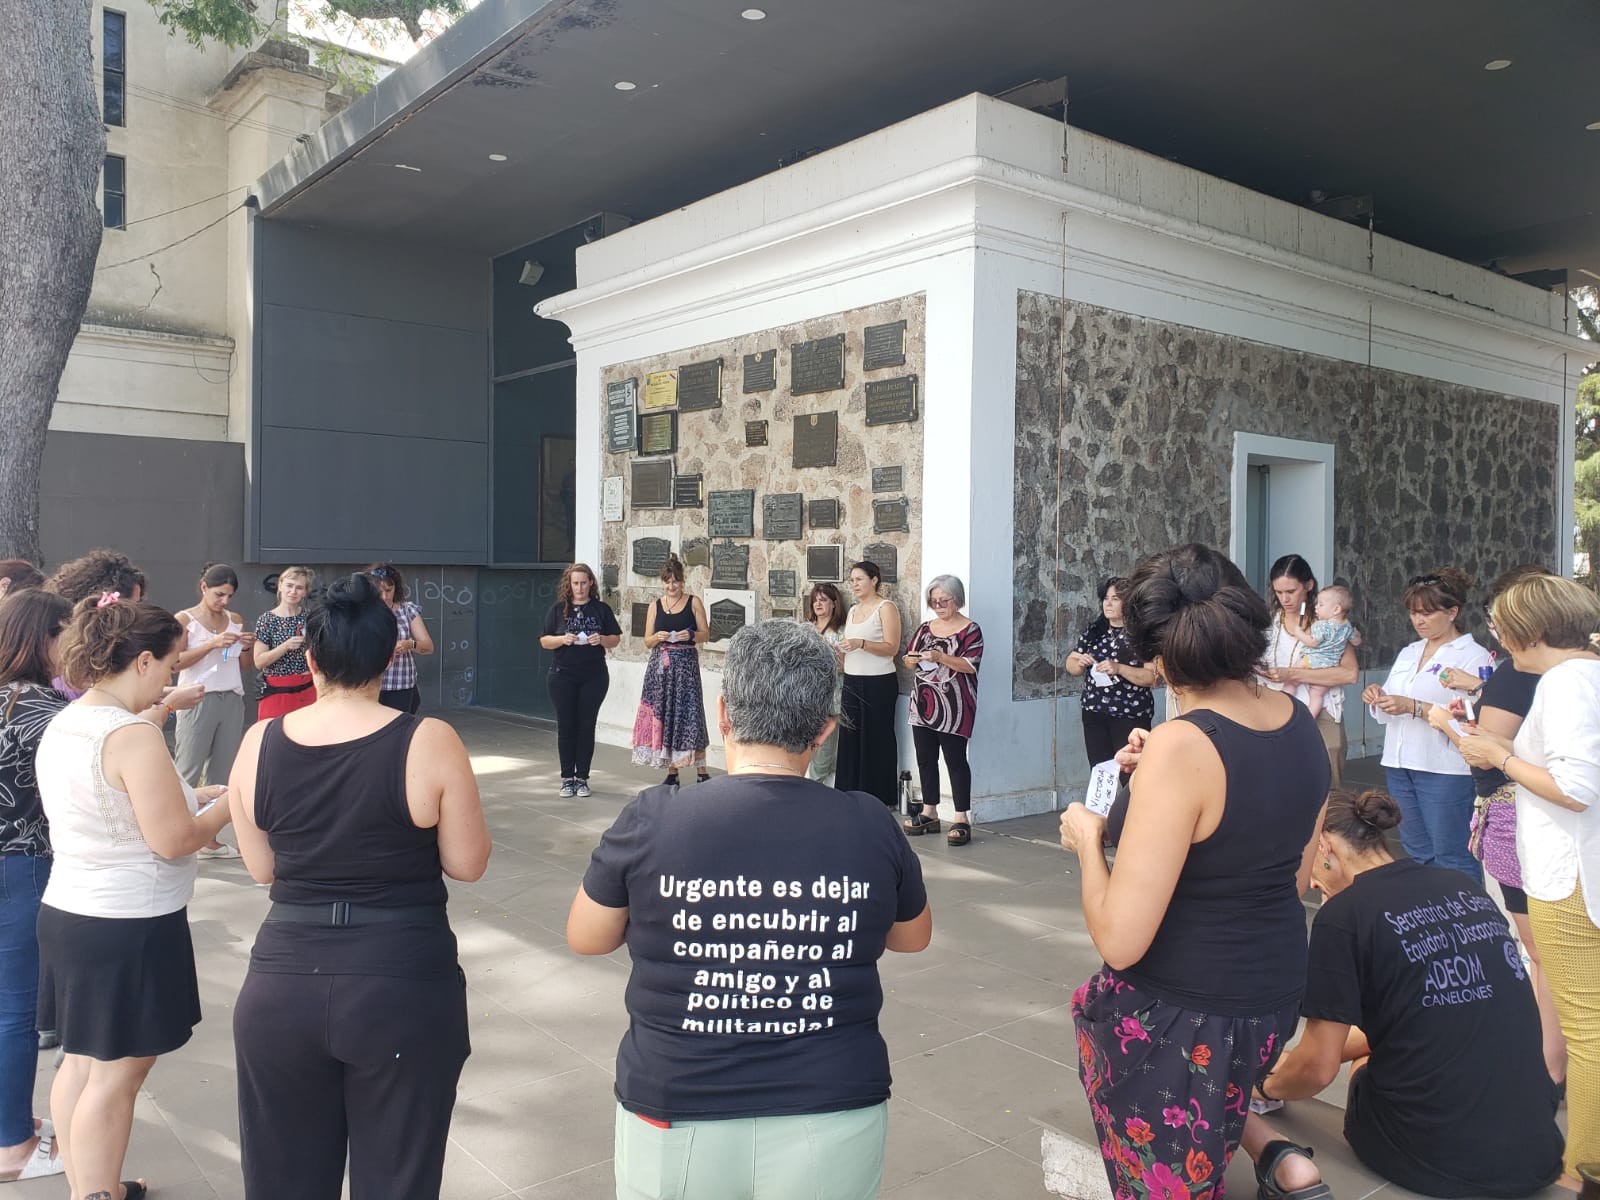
(98, 333)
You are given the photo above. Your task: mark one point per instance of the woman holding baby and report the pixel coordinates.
(1293, 605)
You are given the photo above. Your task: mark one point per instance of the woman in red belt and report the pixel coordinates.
(280, 649)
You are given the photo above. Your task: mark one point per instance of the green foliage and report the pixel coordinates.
(231, 22)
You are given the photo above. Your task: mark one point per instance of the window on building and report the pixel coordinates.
(113, 55)
(114, 203)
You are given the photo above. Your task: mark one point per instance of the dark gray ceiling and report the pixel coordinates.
(1371, 97)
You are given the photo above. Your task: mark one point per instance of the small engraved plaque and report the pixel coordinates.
(883, 346)
(658, 432)
(609, 576)
(689, 491)
(652, 485)
(888, 479)
(823, 514)
(641, 614)
(660, 390)
(783, 614)
(760, 371)
(700, 386)
(730, 565)
(611, 498)
(825, 563)
(816, 439)
(783, 517)
(622, 405)
(650, 555)
(725, 619)
(755, 433)
(891, 516)
(697, 552)
(731, 514)
(891, 400)
(885, 557)
(780, 583)
(816, 366)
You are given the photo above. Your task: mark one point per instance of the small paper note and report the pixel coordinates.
(1102, 791)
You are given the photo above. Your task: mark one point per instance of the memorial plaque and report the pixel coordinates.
(650, 555)
(888, 479)
(780, 583)
(622, 406)
(816, 366)
(885, 557)
(883, 346)
(730, 565)
(700, 386)
(760, 371)
(725, 619)
(610, 576)
(611, 498)
(825, 563)
(652, 485)
(697, 552)
(823, 514)
(816, 439)
(891, 400)
(784, 614)
(660, 390)
(689, 491)
(783, 517)
(755, 433)
(641, 614)
(891, 516)
(658, 432)
(731, 514)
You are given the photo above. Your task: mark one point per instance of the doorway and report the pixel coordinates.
(1282, 504)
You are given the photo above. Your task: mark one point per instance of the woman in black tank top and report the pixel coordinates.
(351, 1029)
(1200, 925)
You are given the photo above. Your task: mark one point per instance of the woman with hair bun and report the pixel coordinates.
(1200, 924)
(669, 730)
(869, 755)
(1415, 978)
(113, 922)
(1293, 604)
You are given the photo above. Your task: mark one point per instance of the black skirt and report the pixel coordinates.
(123, 988)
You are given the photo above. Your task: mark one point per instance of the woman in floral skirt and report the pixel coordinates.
(670, 729)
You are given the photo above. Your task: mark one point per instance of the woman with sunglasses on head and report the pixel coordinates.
(399, 689)
(1426, 774)
(945, 654)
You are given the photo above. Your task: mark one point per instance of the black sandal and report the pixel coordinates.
(132, 1189)
(671, 780)
(1267, 1186)
(702, 777)
(920, 824)
(960, 834)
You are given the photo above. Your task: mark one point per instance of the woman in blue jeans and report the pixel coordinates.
(1426, 774)
(30, 625)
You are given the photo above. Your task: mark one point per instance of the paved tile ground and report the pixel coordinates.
(977, 1025)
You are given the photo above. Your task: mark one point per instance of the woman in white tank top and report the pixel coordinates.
(869, 757)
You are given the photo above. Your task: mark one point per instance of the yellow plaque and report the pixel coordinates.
(661, 390)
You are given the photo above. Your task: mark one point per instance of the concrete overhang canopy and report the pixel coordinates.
(1367, 98)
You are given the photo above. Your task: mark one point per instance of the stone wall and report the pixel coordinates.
(712, 442)
(1426, 473)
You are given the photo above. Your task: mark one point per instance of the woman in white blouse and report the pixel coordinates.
(1426, 775)
(1547, 623)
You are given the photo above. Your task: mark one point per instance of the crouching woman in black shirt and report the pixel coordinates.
(755, 909)
(1414, 976)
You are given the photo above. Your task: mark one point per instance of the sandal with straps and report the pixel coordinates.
(1267, 1186)
(920, 824)
(960, 834)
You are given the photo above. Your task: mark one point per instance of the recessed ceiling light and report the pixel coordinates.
(1593, 125)
(753, 14)
(407, 167)
(623, 85)
(1497, 64)
(497, 158)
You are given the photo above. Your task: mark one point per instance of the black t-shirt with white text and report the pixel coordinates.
(1455, 1100)
(757, 907)
(592, 619)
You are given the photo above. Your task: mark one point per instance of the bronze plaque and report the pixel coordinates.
(731, 514)
(816, 366)
(825, 563)
(783, 517)
(885, 557)
(658, 432)
(888, 479)
(891, 400)
(891, 516)
(823, 514)
(816, 439)
(883, 346)
(780, 583)
(755, 433)
(689, 491)
(650, 555)
(700, 386)
(760, 371)
(652, 485)
(725, 619)
(609, 576)
(697, 552)
(641, 614)
(622, 408)
(730, 566)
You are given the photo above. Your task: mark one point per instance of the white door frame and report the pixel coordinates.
(1256, 449)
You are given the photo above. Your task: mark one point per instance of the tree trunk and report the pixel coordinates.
(51, 147)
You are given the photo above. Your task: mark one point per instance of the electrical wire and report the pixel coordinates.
(172, 245)
(182, 207)
(200, 110)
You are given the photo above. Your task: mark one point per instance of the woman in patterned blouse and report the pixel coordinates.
(944, 653)
(1117, 699)
(280, 649)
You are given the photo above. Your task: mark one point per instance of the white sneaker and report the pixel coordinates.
(583, 792)
(222, 851)
(569, 788)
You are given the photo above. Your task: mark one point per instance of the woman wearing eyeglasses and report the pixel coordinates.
(944, 653)
(1426, 774)
(411, 639)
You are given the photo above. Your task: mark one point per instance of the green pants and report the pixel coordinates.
(824, 1156)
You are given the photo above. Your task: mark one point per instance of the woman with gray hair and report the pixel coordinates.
(753, 1065)
(945, 653)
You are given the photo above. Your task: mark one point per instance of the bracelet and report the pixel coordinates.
(1504, 761)
(1261, 1086)
(1416, 709)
